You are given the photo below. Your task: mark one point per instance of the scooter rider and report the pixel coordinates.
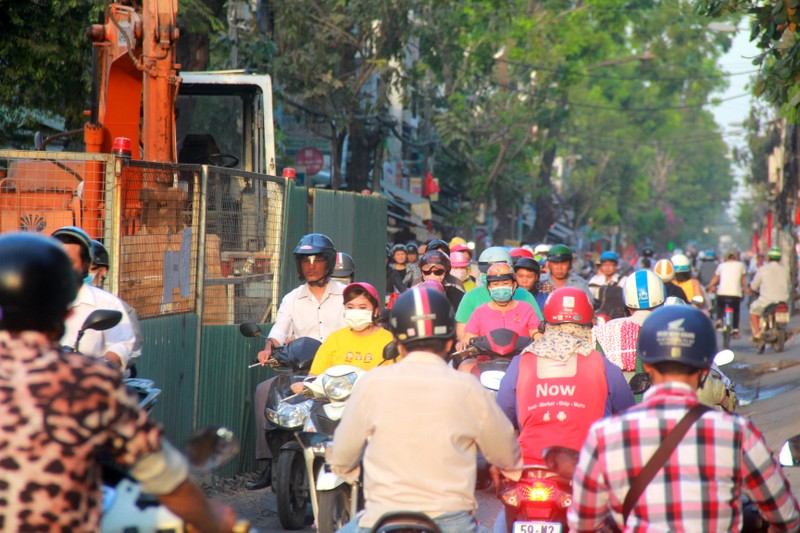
(560, 384)
(772, 282)
(643, 292)
(61, 411)
(435, 265)
(527, 271)
(344, 270)
(480, 295)
(606, 286)
(665, 270)
(314, 309)
(559, 274)
(721, 456)
(416, 426)
(116, 345)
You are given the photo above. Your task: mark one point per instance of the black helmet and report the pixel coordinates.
(422, 313)
(412, 248)
(37, 283)
(438, 244)
(528, 264)
(345, 266)
(75, 235)
(315, 244)
(678, 333)
(398, 248)
(99, 254)
(648, 251)
(435, 257)
(559, 253)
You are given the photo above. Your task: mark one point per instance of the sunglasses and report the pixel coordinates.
(434, 271)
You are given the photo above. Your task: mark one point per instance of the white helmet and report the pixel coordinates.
(644, 290)
(665, 270)
(542, 249)
(681, 263)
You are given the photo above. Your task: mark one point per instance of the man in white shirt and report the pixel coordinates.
(772, 282)
(115, 344)
(730, 284)
(314, 309)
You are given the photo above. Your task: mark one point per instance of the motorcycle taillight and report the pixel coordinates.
(781, 308)
(728, 309)
(541, 491)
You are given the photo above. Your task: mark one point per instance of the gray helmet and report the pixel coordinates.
(75, 235)
(492, 255)
(345, 266)
(99, 254)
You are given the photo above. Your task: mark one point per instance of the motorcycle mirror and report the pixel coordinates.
(311, 439)
(210, 447)
(491, 379)
(102, 319)
(790, 452)
(640, 382)
(390, 351)
(249, 329)
(724, 357)
(698, 301)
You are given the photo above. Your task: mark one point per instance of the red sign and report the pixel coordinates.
(311, 159)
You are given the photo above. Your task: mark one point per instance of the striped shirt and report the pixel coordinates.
(721, 457)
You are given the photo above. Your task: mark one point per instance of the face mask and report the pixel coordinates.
(89, 278)
(460, 273)
(501, 294)
(358, 319)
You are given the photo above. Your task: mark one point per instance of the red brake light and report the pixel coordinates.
(538, 491)
(781, 308)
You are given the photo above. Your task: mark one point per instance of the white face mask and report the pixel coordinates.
(358, 319)
(460, 273)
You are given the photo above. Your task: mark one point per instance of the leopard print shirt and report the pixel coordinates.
(58, 413)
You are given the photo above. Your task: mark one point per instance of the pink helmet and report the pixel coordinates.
(460, 248)
(366, 287)
(459, 259)
(432, 284)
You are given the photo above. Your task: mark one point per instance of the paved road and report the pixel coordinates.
(768, 385)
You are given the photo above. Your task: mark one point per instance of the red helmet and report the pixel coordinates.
(516, 253)
(568, 305)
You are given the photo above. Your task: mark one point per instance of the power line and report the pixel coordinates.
(651, 109)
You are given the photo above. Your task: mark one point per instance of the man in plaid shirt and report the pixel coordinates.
(701, 485)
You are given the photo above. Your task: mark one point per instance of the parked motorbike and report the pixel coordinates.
(487, 357)
(334, 500)
(126, 508)
(286, 413)
(774, 327)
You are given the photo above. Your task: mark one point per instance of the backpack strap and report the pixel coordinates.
(659, 459)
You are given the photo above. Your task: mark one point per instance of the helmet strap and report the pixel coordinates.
(319, 283)
(703, 377)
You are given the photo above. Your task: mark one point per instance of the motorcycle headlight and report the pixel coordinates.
(339, 387)
(292, 415)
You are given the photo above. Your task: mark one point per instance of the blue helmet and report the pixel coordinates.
(609, 256)
(678, 333)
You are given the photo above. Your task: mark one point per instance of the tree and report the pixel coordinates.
(336, 63)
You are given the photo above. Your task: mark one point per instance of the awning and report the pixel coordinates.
(420, 207)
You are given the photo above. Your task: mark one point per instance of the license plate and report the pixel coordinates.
(537, 527)
(782, 317)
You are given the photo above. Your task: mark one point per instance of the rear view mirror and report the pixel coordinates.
(102, 319)
(390, 352)
(724, 357)
(790, 452)
(248, 329)
(640, 382)
(210, 447)
(698, 301)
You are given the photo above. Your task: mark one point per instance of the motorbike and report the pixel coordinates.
(126, 508)
(774, 327)
(333, 499)
(487, 357)
(286, 413)
(721, 395)
(101, 320)
(539, 499)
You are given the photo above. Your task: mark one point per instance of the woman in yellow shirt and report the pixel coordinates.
(361, 343)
